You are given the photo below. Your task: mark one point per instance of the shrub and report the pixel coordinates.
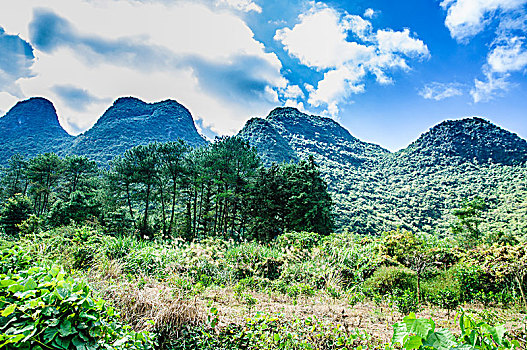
(388, 279)
(443, 290)
(406, 301)
(15, 210)
(473, 280)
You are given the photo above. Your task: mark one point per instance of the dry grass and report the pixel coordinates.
(145, 303)
(149, 304)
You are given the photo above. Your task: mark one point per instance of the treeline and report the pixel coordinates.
(169, 190)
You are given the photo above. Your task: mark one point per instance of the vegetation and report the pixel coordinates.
(345, 247)
(170, 190)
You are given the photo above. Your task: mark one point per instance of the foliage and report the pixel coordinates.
(387, 279)
(265, 331)
(418, 333)
(15, 210)
(43, 308)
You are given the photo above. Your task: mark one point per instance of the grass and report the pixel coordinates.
(228, 289)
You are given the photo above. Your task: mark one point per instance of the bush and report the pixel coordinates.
(443, 290)
(473, 281)
(387, 280)
(15, 210)
(406, 301)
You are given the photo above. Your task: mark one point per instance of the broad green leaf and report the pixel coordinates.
(414, 342)
(121, 341)
(62, 343)
(15, 288)
(443, 339)
(6, 283)
(9, 310)
(50, 333)
(30, 284)
(66, 328)
(399, 333)
(498, 333)
(418, 326)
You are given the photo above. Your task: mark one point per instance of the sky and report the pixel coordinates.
(386, 70)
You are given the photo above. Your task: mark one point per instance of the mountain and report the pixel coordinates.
(32, 127)
(272, 147)
(454, 161)
(346, 163)
(374, 190)
(467, 140)
(130, 122)
(286, 134)
(416, 188)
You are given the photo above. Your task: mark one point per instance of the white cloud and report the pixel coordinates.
(241, 5)
(369, 13)
(494, 85)
(391, 41)
(507, 53)
(293, 92)
(466, 18)
(440, 91)
(337, 85)
(195, 37)
(321, 41)
(508, 56)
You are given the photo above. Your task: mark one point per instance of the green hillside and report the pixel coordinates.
(416, 188)
(130, 122)
(32, 127)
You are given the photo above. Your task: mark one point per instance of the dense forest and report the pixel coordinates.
(169, 190)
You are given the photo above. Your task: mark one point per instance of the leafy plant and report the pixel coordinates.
(43, 308)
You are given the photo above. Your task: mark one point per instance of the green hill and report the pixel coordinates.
(32, 127)
(416, 188)
(374, 190)
(130, 122)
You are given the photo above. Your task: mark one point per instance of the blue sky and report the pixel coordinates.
(386, 70)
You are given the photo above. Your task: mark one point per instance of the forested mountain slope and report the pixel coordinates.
(374, 190)
(418, 187)
(31, 127)
(454, 161)
(130, 122)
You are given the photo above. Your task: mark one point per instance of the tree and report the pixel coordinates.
(43, 173)
(509, 261)
(15, 210)
(466, 228)
(411, 251)
(15, 179)
(309, 205)
(78, 171)
(135, 174)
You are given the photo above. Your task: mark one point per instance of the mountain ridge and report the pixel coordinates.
(374, 190)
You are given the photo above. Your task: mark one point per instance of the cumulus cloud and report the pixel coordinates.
(241, 5)
(208, 60)
(466, 18)
(15, 62)
(508, 56)
(507, 52)
(439, 91)
(321, 40)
